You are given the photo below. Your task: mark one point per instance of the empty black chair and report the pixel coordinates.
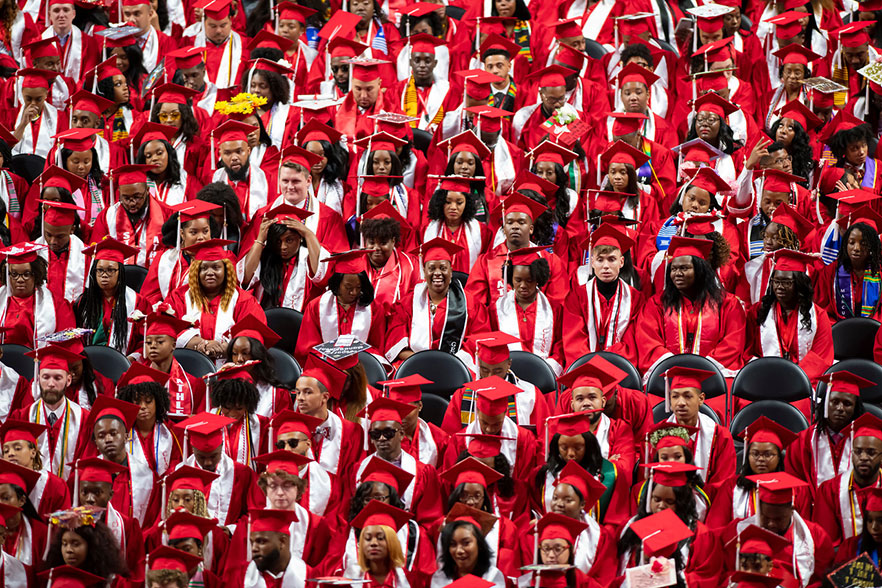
(422, 140)
(873, 409)
(772, 378)
(446, 372)
(659, 413)
(461, 277)
(194, 362)
(595, 49)
(107, 361)
(782, 413)
(632, 380)
(864, 368)
(853, 338)
(27, 166)
(532, 368)
(434, 408)
(454, 12)
(15, 358)
(135, 276)
(286, 323)
(287, 369)
(372, 367)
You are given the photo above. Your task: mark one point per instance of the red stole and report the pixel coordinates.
(787, 329)
(179, 391)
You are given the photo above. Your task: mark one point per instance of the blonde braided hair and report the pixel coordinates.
(230, 284)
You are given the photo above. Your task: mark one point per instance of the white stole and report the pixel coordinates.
(329, 457)
(230, 60)
(278, 120)
(472, 230)
(753, 272)
(223, 321)
(329, 320)
(768, 332)
(72, 53)
(620, 314)
(258, 188)
(163, 443)
(823, 456)
(704, 442)
(142, 483)
(151, 50)
(293, 577)
(506, 313)
(331, 195)
(319, 488)
(114, 522)
(585, 548)
(8, 383)
(44, 311)
(14, 575)
(42, 143)
(75, 275)
(421, 321)
(427, 447)
(167, 264)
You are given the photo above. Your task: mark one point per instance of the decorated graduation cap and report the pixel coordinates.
(666, 434)
(15, 430)
(713, 102)
(380, 513)
(210, 250)
(483, 520)
(581, 479)
(682, 246)
(477, 82)
(558, 526)
(607, 234)
(495, 41)
(787, 215)
(492, 394)
(776, 487)
(204, 430)
(110, 249)
(59, 214)
(795, 53)
(89, 102)
(854, 34)
(846, 382)
(386, 409)
(169, 558)
(54, 357)
(366, 70)
(16, 475)
(108, 407)
(661, 532)
(70, 577)
(621, 152)
(380, 470)
(787, 24)
(788, 260)
(32, 77)
(799, 112)
(492, 346)
(671, 473)
(139, 373)
(437, 249)
(597, 372)
(252, 327)
(471, 471)
(765, 430)
(863, 214)
(407, 389)
(332, 377)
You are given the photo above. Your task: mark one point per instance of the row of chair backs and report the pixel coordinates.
(854, 338)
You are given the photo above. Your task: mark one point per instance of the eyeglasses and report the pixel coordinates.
(784, 283)
(15, 276)
(133, 197)
(168, 116)
(106, 272)
(292, 443)
(707, 120)
(762, 455)
(555, 549)
(782, 159)
(376, 434)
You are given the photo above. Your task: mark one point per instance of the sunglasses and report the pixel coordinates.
(376, 434)
(292, 443)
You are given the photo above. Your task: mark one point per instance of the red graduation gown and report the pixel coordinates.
(245, 305)
(331, 232)
(528, 322)
(113, 220)
(485, 283)
(828, 511)
(440, 437)
(219, 544)
(351, 452)
(19, 319)
(800, 457)
(527, 448)
(55, 496)
(392, 281)
(310, 333)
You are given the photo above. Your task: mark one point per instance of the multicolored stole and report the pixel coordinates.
(843, 293)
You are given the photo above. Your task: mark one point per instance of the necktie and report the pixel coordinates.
(52, 419)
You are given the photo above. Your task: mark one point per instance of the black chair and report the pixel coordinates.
(15, 358)
(194, 362)
(422, 140)
(446, 372)
(659, 413)
(853, 338)
(632, 380)
(372, 367)
(860, 367)
(772, 378)
(287, 368)
(784, 414)
(532, 368)
(286, 323)
(135, 276)
(873, 409)
(461, 277)
(595, 49)
(434, 408)
(454, 12)
(27, 166)
(107, 361)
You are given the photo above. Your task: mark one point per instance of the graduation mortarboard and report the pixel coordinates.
(637, 73)
(7, 137)
(741, 579)
(460, 184)
(254, 328)
(493, 346)
(661, 532)
(708, 179)
(621, 152)
(521, 204)
(172, 94)
(231, 371)
(496, 42)
(341, 24)
(231, 130)
(552, 76)
(190, 478)
(7, 512)
(348, 262)
(59, 214)
(42, 48)
(765, 430)
(477, 82)
(37, 78)
(866, 425)
(385, 409)
(210, 250)
(330, 376)
(54, 357)
(483, 520)
(568, 28)
(795, 53)
(314, 130)
(712, 102)
(366, 70)
(843, 121)
(193, 209)
(776, 487)
(283, 461)
(716, 52)
(437, 249)
(16, 430)
(787, 215)
(267, 40)
(799, 112)
(846, 382)
(16, 475)
(489, 118)
(269, 520)
(775, 180)
(552, 152)
(527, 180)
(77, 139)
(484, 446)
(597, 372)
(607, 234)
(151, 131)
(863, 214)
(492, 394)
(756, 540)
(471, 471)
(424, 43)
(70, 577)
(205, 430)
(188, 57)
(109, 249)
(581, 479)
(788, 260)
(686, 377)
(89, 102)
(342, 47)
(216, 9)
(854, 34)
(169, 558)
(467, 142)
(625, 123)
(874, 501)
(162, 323)
(682, 246)
(139, 373)
(558, 526)
(406, 389)
(21, 252)
(671, 473)
(378, 186)
(787, 24)
(126, 175)
(94, 469)
(574, 423)
(471, 581)
(380, 513)
(108, 407)
(288, 421)
(300, 156)
(380, 470)
(183, 525)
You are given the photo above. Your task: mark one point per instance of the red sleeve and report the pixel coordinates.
(798, 458)
(820, 356)
(724, 458)
(399, 323)
(649, 334)
(603, 571)
(877, 347)
(730, 346)
(427, 500)
(477, 285)
(452, 423)
(332, 234)
(621, 449)
(720, 512)
(705, 560)
(826, 510)
(824, 552)
(377, 333)
(310, 333)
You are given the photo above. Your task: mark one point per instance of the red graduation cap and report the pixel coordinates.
(77, 139)
(54, 357)
(288, 421)
(850, 200)
(864, 214)
(7, 137)
(854, 34)
(193, 209)
(594, 373)
(140, 373)
(661, 532)
(686, 377)
(712, 81)
(488, 117)
(346, 48)
(269, 65)
(795, 53)
(169, 558)
(241, 371)
(172, 94)
(579, 478)
(568, 28)
(424, 43)
(378, 186)
(108, 407)
(518, 203)
(787, 24)
(104, 70)
(232, 130)
(210, 250)
(109, 249)
(607, 234)
(89, 102)
(381, 141)
(625, 123)
(866, 425)
(385, 210)
(527, 180)
(300, 156)
(292, 11)
(217, 9)
(788, 260)
(437, 249)
(776, 487)
(477, 82)
(775, 180)
(268, 520)
(765, 430)
(471, 471)
(712, 102)
(366, 70)
(671, 473)
(708, 179)
(254, 328)
(70, 577)
(846, 382)
(32, 77)
(15, 430)
(419, 9)
(558, 526)
(697, 225)
(494, 41)
(7, 511)
(126, 175)
(483, 520)
(314, 130)
(20, 252)
(94, 469)
(754, 580)
(637, 73)
(492, 346)
(380, 513)
(380, 470)
(574, 423)
(553, 152)
(788, 216)
(325, 372)
(205, 430)
(162, 323)
(492, 394)
(666, 434)
(710, 24)
(552, 76)
(268, 40)
(461, 184)
(42, 48)
(526, 255)
(24, 478)
(484, 446)
(285, 211)
(341, 24)
(755, 539)
(570, 58)
(190, 478)
(406, 389)
(799, 112)
(468, 142)
(717, 51)
(386, 409)
(59, 214)
(151, 131)
(187, 57)
(621, 152)
(121, 42)
(843, 121)
(681, 246)
(874, 501)
(348, 262)
(283, 461)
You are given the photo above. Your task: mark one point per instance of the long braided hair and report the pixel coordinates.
(230, 284)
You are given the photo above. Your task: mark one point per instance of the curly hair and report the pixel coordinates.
(709, 289)
(725, 138)
(840, 141)
(222, 194)
(721, 251)
(637, 50)
(540, 272)
(235, 392)
(89, 308)
(367, 289)
(871, 238)
(787, 237)
(356, 505)
(8, 13)
(200, 506)
(168, 578)
(135, 392)
(804, 296)
(229, 285)
(562, 201)
(277, 83)
(173, 169)
(800, 149)
(103, 557)
(189, 124)
(39, 268)
(438, 200)
(381, 230)
(338, 160)
(265, 371)
(448, 566)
